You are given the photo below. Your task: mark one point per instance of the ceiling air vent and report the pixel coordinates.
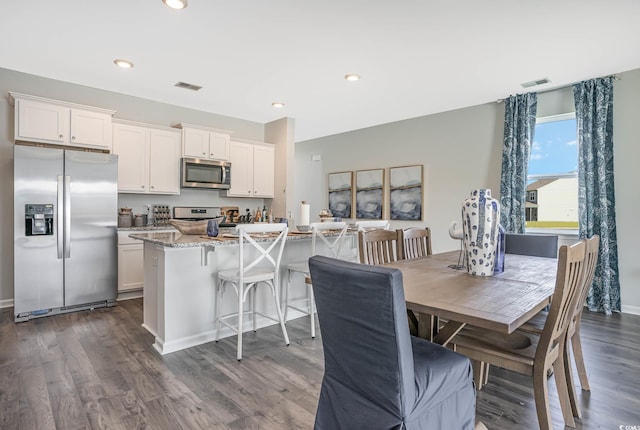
(188, 86)
(535, 83)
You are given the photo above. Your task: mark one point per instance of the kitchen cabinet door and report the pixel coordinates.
(241, 157)
(219, 146)
(195, 143)
(164, 162)
(130, 267)
(131, 143)
(263, 171)
(41, 122)
(91, 129)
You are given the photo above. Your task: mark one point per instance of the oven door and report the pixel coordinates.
(207, 174)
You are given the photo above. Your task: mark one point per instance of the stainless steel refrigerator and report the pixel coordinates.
(65, 230)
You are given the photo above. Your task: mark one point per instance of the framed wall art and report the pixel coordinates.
(369, 193)
(340, 194)
(405, 186)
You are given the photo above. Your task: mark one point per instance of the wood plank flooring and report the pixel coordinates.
(97, 370)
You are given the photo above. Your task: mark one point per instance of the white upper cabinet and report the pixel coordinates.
(263, 171)
(252, 170)
(148, 159)
(205, 143)
(55, 122)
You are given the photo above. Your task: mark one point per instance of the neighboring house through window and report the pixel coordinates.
(552, 185)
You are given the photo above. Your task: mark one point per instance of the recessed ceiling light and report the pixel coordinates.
(277, 104)
(175, 4)
(125, 64)
(352, 77)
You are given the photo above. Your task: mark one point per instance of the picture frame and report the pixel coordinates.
(406, 193)
(370, 194)
(340, 186)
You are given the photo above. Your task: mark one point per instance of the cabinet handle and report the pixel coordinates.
(249, 191)
(141, 186)
(152, 187)
(204, 153)
(61, 136)
(73, 138)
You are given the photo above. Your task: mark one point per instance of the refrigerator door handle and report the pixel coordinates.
(60, 217)
(67, 218)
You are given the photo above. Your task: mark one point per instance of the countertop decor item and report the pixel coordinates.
(480, 220)
(305, 210)
(191, 227)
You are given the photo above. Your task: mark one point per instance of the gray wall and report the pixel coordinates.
(461, 150)
(127, 107)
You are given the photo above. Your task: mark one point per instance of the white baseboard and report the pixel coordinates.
(8, 303)
(634, 310)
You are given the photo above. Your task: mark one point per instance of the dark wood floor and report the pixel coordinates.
(97, 370)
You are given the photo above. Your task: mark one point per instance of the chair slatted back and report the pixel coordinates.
(380, 246)
(416, 242)
(568, 282)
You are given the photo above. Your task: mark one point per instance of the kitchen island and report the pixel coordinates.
(180, 272)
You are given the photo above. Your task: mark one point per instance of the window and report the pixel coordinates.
(552, 186)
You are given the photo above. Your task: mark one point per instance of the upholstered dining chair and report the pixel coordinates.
(372, 224)
(534, 355)
(333, 246)
(536, 245)
(377, 376)
(536, 325)
(251, 273)
(380, 246)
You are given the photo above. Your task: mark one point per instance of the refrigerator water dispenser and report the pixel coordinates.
(38, 219)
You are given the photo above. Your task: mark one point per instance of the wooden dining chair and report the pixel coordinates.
(380, 246)
(416, 242)
(536, 325)
(531, 354)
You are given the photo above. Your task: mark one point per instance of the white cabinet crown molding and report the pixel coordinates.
(146, 125)
(13, 96)
(203, 127)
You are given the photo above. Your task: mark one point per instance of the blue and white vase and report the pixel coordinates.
(480, 220)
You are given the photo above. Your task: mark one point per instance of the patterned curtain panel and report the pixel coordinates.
(519, 125)
(596, 200)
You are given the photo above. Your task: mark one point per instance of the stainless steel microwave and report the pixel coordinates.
(207, 174)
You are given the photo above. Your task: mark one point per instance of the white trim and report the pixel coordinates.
(633, 310)
(554, 118)
(7, 303)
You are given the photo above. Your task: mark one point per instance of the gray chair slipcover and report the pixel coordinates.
(376, 375)
(537, 245)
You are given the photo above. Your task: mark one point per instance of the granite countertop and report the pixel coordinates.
(147, 228)
(179, 240)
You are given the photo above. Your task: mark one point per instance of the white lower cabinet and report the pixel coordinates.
(130, 263)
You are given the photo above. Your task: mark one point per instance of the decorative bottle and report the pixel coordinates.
(480, 220)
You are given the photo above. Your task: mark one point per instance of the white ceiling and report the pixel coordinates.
(416, 57)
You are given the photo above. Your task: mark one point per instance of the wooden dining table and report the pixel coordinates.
(502, 302)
